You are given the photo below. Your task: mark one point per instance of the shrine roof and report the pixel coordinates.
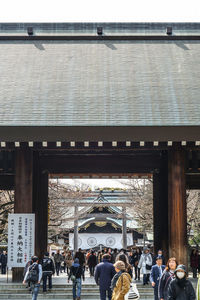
(98, 82)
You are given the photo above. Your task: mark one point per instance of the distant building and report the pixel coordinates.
(102, 225)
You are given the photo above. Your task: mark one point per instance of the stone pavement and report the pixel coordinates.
(61, 279)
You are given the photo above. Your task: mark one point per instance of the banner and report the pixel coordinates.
(91, 240)
(21, 239)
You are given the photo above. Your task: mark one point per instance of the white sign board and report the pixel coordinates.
(90, 240)
(21, 239)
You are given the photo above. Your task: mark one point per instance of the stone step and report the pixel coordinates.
(62, 296)
(64, 290)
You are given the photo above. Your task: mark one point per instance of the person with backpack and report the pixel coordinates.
(47, 271)
(76, 272)
(34, 276)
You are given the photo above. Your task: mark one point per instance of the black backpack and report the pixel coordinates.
(33, 273)
(46, 264)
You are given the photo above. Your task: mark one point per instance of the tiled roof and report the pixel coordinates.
(100, 83)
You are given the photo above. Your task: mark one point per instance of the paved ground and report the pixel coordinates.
(61, 279)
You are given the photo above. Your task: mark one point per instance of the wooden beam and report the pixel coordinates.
(177, 206)
(40, 207)
(104, 164)
(23, 192)
(160, 207)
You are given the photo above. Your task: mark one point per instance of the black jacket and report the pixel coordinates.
(3, 259)
(92, 260)
(48, 265)
(77, 271)
(165, 280)
(181, 290)
(81, 257)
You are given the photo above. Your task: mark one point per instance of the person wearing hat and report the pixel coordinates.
(181, 288)
(145, 265)
(156, 274)
(76, 272)
(120, 283)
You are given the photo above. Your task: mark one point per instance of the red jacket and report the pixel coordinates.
(194, 261)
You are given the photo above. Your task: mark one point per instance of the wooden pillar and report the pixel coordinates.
(160, 207)
(23, 192)
(177, 206)
(124, 229)
(40, 207)
(75, 229)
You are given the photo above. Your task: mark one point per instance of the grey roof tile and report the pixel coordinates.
(127, 83)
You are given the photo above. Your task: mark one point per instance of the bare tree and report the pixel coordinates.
(6, 207)
(141, 195)
(59, 210)
(193, 214)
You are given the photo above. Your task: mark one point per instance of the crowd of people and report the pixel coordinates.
(113, 272)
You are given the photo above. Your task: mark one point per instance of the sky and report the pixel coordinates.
(100, 11)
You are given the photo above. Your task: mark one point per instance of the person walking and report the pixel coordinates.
(92, 262)
(145, 265)
(81, 256)
(181, 288)
(128, 267)
(63, 263)
(103, 275)
(69, 261)
(120, 284)
(25, 270)
(47, 271)
(136, 259)
(194, 262)
(76, 273)
(159, 254)
(34, 276)
(156, 274)
(3, 260)
(58, 259)
(167, 277)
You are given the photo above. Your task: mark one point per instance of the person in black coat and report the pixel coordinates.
(47, 271)
(159, 254)
(104, 273)
(81, 257)
(134, 260)
(167, 277)
(3, 260)
(92, 262)
(181, 288)
(78, 273)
